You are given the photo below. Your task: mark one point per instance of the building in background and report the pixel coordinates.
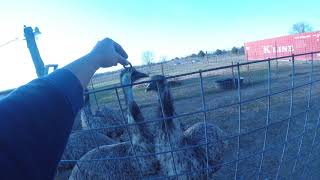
(284, 46)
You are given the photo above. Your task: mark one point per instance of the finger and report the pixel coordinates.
(120, 50)
(123, 61)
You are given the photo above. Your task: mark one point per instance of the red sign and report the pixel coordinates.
(284, 46)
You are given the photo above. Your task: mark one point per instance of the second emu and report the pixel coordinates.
(190, 162)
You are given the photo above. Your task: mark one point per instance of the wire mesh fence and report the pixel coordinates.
(171, 68)
(260, 121)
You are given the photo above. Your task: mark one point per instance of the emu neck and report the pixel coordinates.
(127, 90)
(170, 131)
(140, 134)
(168, 108)
(140, 131)
(128, 94)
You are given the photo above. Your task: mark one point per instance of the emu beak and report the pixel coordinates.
(137, 75)
(151, 86)
(148, 87)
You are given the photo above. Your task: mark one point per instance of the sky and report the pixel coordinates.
(170, 28)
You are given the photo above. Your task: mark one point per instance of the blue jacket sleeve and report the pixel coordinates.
(35, 123)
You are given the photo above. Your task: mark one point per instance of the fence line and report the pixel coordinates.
(203, 71)
(290, 133)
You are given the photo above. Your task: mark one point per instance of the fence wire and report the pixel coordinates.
(268, 111)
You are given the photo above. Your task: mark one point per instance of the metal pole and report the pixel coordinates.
(239, 123)
(162, 71)
(305, 50)
(207, 57)
(34, 51)
(91, 133)
(277, 62)
(166, 128)
(290, 117)
(205, 121)
(267, 121)
(129, 134)
(247, 60)
(307, 115)
(95, 96)
(233, 76)
(248, 68)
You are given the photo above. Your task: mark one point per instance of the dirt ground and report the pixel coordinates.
(292, 121)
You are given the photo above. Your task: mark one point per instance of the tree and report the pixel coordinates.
(163, 59)
(201, 54)
(241, 50)
(193, 55)
(234, 50)
(147, 57)
(218, 52)
(301, 27)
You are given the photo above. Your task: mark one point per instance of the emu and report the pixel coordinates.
(191, 160)
(119, 167)
(79, 143)
(101, 119)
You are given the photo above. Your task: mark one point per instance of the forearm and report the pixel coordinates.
(83, 69)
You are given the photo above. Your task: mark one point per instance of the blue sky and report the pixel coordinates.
(171, 28)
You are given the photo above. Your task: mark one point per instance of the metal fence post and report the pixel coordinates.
(166, 128)
(233, 75)
(290, 116)
(267, 121)
(91, 131)
(306, 118)
(205, 121)
(239, 122)
(207, 57)
(162, 71)
(129, 134)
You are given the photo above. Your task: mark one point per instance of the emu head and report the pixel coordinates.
(157, 81)
(130, 75)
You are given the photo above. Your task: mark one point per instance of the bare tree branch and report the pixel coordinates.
(147, 57)
(301, 27)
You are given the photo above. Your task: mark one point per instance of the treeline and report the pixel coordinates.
(148, 56)
(234, 50)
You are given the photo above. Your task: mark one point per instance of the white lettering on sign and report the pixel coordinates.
(266, 50)
(280, 49)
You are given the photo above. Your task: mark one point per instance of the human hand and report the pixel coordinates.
(108, 53)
